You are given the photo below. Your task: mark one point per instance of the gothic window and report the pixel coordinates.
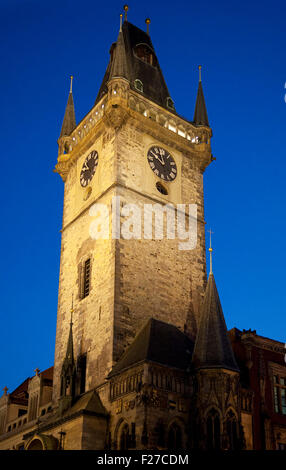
(133, 435)
(81, 372)
(124, 438)
(213, 430)
(280, 394)
(174, 440)
(138, 85)
(231, 428)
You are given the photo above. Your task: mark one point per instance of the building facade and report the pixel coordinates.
(143, 358)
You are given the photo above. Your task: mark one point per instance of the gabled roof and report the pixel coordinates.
(157, 342)
(126, 64)
(212, 346)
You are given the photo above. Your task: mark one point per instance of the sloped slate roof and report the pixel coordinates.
(89, 402)
(157, 342)
(212, 346)
(125, 63)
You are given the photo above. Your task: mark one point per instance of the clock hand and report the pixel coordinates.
(161, 161)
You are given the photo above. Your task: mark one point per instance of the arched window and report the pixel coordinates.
(175, 437)
(231, 429)
(138, 85)
(36, 444)
(213, 430)
(124, 438)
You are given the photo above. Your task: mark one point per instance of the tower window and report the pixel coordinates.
(81, 371)
(161, 189)
(213, 430)
(138, 85)
(86, 278)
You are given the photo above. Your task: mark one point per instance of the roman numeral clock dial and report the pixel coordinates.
(162, 163)
(88, 168)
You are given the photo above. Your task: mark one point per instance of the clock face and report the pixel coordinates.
(162, 163)
(88, 168)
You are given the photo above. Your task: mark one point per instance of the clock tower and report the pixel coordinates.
(131, 151)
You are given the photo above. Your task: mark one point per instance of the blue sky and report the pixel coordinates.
(241, 46)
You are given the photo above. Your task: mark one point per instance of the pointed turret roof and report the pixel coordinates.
(133, 58)
(119, 63)
(201, 115)
(69, 122)
(69, 359)
(212, 347)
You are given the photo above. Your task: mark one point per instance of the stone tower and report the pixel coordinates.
(132, 148)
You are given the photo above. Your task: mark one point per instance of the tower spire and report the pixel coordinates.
(201, 115)
(211, 252)
(119, 62)
(69, 122)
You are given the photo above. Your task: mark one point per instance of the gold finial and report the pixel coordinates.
(5, 390)
(126, 10)
(120, 22)
(200, 73)
(37, 371)
(211, 252)
(71, 84)
(147, 21)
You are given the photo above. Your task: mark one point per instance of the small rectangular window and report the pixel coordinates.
(86, 278)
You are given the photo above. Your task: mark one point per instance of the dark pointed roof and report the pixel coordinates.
(119, 63)
(89, 402)
(201, 116)
(212, 346)
(125, 62)
(69, 122)
(69, 359)
(157, 342)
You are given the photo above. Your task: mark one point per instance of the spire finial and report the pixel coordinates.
(147, 21)
(71, 84)
(211, 252)
(120, 29)
(126, 10)
(5, 390)
(200, 73)
(37, 370)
